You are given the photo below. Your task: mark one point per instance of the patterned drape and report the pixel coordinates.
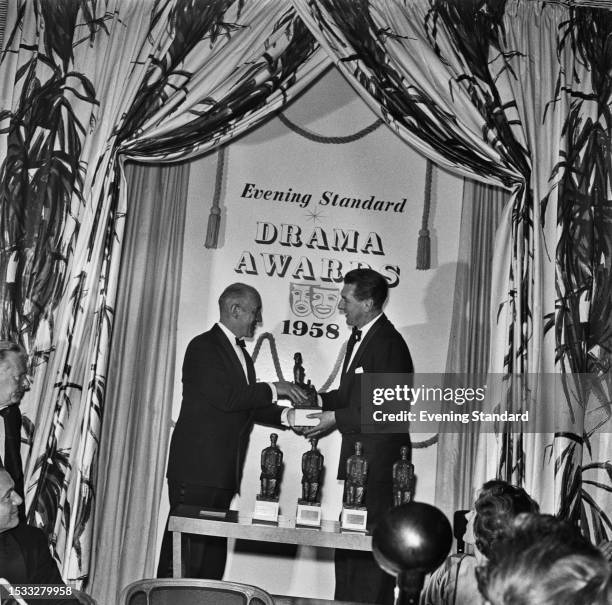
(84, 84)
(514, 93)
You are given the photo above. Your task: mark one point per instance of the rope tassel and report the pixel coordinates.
(424, 243)
(214, 218)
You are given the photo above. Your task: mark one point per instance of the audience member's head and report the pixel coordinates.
(545, 561)
(498, 503)
(14, 380)
(9, 502)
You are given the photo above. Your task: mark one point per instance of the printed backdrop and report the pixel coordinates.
(296, 215)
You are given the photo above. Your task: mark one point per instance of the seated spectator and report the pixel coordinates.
(545, 561)
(454, 582)
(24, 551)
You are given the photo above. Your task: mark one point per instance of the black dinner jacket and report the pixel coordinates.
(25, 559)
(219, 408)
(383, 349)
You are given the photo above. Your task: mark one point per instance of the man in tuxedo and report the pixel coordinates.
(24, 552)
(374, 346)
(14, 383)
(221, 401)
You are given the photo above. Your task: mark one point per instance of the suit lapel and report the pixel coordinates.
(363, 345)
(229, 351)
(243, 433)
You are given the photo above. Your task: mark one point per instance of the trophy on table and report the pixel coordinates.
(266, 503)
(354, 514)
(302, 410)
(309, 505)
(403, 479)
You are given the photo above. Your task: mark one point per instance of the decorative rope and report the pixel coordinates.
(317, 138)
(214, 218)
(424, 243)
(337, 365)
(273, 350)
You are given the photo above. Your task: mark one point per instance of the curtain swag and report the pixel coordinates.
(511, 93)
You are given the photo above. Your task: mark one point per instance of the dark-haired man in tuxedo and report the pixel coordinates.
(374, 346)
(221, 401)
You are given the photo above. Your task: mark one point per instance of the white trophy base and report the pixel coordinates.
(354, 519)
(265, 511)
(308, 515)
(301, 416)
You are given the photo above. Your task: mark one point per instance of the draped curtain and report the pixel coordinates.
(140, 383)
(470, 335)
(83, 85)
(514, 93)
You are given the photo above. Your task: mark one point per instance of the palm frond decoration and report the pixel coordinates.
(27, 427)
(51, 488)
(192, 21)
(214, 116)
(41, 177)
(85, 508)
(583, 325)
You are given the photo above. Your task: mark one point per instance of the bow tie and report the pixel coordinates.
(240, 342)
(356, 334)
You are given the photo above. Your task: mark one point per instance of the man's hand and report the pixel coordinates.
(289, 390)
(327, 422)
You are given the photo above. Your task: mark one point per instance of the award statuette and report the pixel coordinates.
(303, 410)
(354, 513)
(403, 479)
(266, 504)
(309, 506)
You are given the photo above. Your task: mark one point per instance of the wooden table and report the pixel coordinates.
(192, 520)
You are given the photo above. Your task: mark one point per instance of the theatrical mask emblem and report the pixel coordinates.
(299, 297)
(324, 301)
(306, 299)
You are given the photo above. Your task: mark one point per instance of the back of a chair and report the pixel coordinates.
(185, 591)
(459, 527)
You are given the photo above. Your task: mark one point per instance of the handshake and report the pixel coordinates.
(306, 417)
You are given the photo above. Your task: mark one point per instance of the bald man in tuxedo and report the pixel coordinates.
(221, 401)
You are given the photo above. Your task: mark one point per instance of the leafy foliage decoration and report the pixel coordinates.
(583, 322)
(41, 176)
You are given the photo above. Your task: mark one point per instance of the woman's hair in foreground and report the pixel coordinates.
(545, 561)
(497, 505)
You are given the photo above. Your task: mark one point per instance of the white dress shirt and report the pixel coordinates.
(232, 340)
(364, 330)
